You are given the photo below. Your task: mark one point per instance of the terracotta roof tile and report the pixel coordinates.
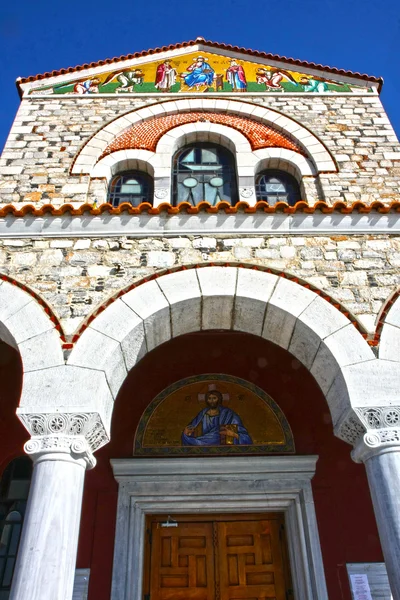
(185, 207)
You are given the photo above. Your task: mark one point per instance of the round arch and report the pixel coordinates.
(25, 326)
(249, 162)
(389, 347)
(230, 298)
(93, 149)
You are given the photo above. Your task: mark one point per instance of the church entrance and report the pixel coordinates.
(216, 557)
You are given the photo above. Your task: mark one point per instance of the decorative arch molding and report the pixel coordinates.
(95, 147)
(28, 325)
(238, 299)
(147, 134)
(388, 329)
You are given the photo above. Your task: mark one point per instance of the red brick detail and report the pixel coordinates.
(288, 276)
(146, 135)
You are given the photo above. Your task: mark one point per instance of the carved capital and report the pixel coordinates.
(376, 441)
(371, 430)
(350, 430)
(76, 434)
(75, 446)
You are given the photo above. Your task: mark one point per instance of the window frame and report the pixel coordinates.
(147, 181)
(226, 167)
(290, 183)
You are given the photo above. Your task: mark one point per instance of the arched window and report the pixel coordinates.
(204, 172)
(134, 187)
(274, 186)
(14, 490)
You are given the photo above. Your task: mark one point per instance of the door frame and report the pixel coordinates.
(216, 485)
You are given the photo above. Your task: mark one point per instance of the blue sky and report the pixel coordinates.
(356, 35)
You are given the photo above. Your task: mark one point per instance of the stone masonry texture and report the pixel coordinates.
(49, 132)
(75, 276)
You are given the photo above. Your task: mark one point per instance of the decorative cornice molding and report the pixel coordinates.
(379, 417)
(79, 434)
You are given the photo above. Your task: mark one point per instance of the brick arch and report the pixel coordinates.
(388, 329)
(90, 153)
(147, 134)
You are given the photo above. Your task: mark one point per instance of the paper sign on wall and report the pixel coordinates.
(360, 587)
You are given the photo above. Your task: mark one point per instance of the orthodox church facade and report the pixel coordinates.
(200, 331)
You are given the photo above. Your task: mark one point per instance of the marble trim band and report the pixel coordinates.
(209, 485)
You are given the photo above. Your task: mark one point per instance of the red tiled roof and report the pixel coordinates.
(185, 207)
(145, 135)
(210, 44)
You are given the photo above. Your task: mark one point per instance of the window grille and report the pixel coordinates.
(204, 172)
(132, 187)
(274, 186)
(14, 490)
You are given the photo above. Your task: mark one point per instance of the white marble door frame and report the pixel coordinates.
(215, 485)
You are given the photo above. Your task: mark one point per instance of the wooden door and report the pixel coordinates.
(250, 561)
(182, 562)
(218, 557)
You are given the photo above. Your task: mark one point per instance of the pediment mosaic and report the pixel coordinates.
(197, 72)
(213, 414)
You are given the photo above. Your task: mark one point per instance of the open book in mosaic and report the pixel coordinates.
(196, 72)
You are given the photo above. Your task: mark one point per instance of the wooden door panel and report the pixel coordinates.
(182, 562)
(250, 560)
(218, 560)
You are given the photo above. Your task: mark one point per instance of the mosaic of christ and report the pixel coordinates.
(212, 413)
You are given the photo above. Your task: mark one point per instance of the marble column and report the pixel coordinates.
(379, 450)
(45, 567)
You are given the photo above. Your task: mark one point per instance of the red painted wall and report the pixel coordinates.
(345, 517)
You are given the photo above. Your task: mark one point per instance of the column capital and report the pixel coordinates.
(371, 430)
(77, 435)
(375, 442)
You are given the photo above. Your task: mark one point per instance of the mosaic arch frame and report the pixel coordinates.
(174, 407)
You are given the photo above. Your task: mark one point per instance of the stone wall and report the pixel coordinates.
(48, 133)
(75, 276)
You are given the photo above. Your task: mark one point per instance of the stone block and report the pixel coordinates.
(205, 243)
(218, 290)
(41, 351)
(98, 351)
(158, 258)
(149, 303)
(253, 291)
(182, 291)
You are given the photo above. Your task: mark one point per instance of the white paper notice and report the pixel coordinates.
(360, 587)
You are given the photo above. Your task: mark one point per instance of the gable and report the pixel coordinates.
(197, 69)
